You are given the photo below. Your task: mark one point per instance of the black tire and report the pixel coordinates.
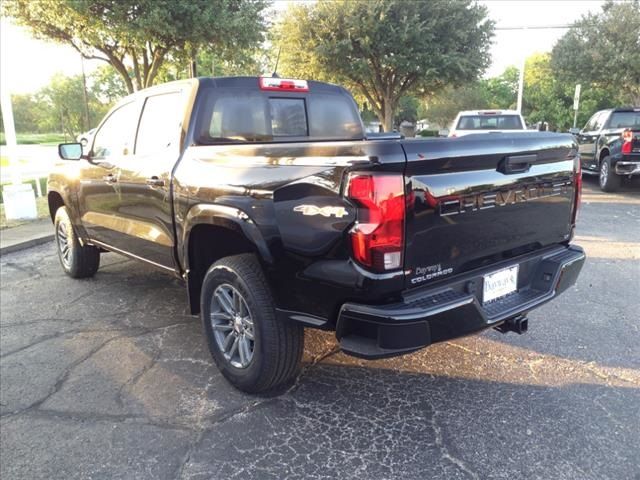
(276, 348)
(77, 261)
(608, 179)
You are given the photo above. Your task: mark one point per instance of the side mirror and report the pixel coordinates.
(574, 131)
(443, 132)
(70, 151)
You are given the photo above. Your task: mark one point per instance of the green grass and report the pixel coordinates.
(37, 138)
(43, 212)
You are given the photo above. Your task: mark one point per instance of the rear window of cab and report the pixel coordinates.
(489, 122)
(241, 116)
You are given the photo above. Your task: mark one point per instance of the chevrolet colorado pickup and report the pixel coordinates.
(609, 146)
(267, 198)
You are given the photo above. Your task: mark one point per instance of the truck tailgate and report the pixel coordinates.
(480, 199)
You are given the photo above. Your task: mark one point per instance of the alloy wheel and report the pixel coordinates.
(64, 244)
(604, 173)
(232, 325)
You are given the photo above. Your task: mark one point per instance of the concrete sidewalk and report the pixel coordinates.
(26, 236)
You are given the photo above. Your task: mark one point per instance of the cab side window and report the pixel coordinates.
(591, 124)
(600, 120)
(160, 123)
(116, 135)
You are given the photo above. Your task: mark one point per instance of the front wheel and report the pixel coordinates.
(609, 181)
(78, 261)
(254, 350)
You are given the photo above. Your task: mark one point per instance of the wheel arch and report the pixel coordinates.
(212, 232)
(55, 201)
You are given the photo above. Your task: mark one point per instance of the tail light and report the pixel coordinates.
(377, 238)
(627, 141)
(577, 183)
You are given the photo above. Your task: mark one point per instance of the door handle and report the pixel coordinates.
(519, 163)
(111, 178)
(155, 181)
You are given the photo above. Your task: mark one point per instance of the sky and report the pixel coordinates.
(27, 64)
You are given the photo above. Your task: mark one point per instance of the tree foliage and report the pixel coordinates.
(548, 95)
(407, 110)
(443, 107)
(386, 49)
(137, 36)
(59, 106)
(603, 49)
(496, 92)
(502, 91)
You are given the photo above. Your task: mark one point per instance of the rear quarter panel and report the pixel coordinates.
(308, 263)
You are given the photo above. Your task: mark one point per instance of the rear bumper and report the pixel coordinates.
(627, 164)
(624, 167)
(455, 309)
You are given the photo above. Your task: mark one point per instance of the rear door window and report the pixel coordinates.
(159, 128)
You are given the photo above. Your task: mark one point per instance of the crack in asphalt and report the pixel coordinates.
(62, 378)
(204, 429)
(29, 268)
(444, 450)
(70, 333)
(39, 320)
(250, 407)
(105, 417)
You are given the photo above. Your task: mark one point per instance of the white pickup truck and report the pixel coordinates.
(487, 121)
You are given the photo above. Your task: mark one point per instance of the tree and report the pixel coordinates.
(502, 91)
(603, 49)
(548, 96)
(137, 36)
(28, 114)
(443, 107)
(386, 49)
(407, 110)
(64, 111)
(107, 86)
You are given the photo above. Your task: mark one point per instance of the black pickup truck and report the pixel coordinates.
(609, 146)
(267, 197)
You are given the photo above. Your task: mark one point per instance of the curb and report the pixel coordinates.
(32, 242)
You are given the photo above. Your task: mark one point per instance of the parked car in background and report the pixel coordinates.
(487, 121)
(609, 146)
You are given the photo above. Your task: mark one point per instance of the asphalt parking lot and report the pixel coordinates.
(109, 378)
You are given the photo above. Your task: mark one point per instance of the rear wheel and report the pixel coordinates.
(609, 181)
(77, 261)
(253, 349)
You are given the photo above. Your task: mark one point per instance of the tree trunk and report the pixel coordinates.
(387, 120)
